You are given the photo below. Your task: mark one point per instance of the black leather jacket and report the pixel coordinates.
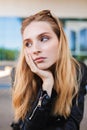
(40, 117)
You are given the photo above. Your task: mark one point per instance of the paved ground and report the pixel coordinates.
(6, 111)
(6, 114)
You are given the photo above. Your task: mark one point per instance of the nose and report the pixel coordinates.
(36, 48)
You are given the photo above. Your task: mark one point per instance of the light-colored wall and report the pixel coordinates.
(62, 8)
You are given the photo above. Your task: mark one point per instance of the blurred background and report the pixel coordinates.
(73, 15)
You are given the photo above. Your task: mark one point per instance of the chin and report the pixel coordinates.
(51, 67)
(43, 67)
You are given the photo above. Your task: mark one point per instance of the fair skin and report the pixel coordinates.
(41, 46)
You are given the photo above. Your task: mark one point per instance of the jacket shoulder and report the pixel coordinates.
(84, 72)
(83, 76)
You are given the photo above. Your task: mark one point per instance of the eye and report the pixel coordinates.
(28, 44)
(44, 38)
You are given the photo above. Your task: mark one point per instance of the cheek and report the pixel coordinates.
(53, 53)
(53, 50)
(28, 50)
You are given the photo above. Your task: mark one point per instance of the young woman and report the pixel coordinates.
(49, 85)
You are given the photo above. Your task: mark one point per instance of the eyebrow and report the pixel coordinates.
(39, 35)
(26, 40)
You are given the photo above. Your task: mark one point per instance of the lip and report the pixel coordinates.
(39, 59)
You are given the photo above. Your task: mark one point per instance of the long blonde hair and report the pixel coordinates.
(66, 82)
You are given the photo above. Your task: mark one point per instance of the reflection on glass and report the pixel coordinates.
(71, 36)
(72, 40)
(83, 39)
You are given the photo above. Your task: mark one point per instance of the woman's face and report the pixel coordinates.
(41, 43)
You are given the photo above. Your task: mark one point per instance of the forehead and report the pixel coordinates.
(36, 28)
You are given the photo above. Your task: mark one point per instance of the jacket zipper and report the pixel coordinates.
(38, 105)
